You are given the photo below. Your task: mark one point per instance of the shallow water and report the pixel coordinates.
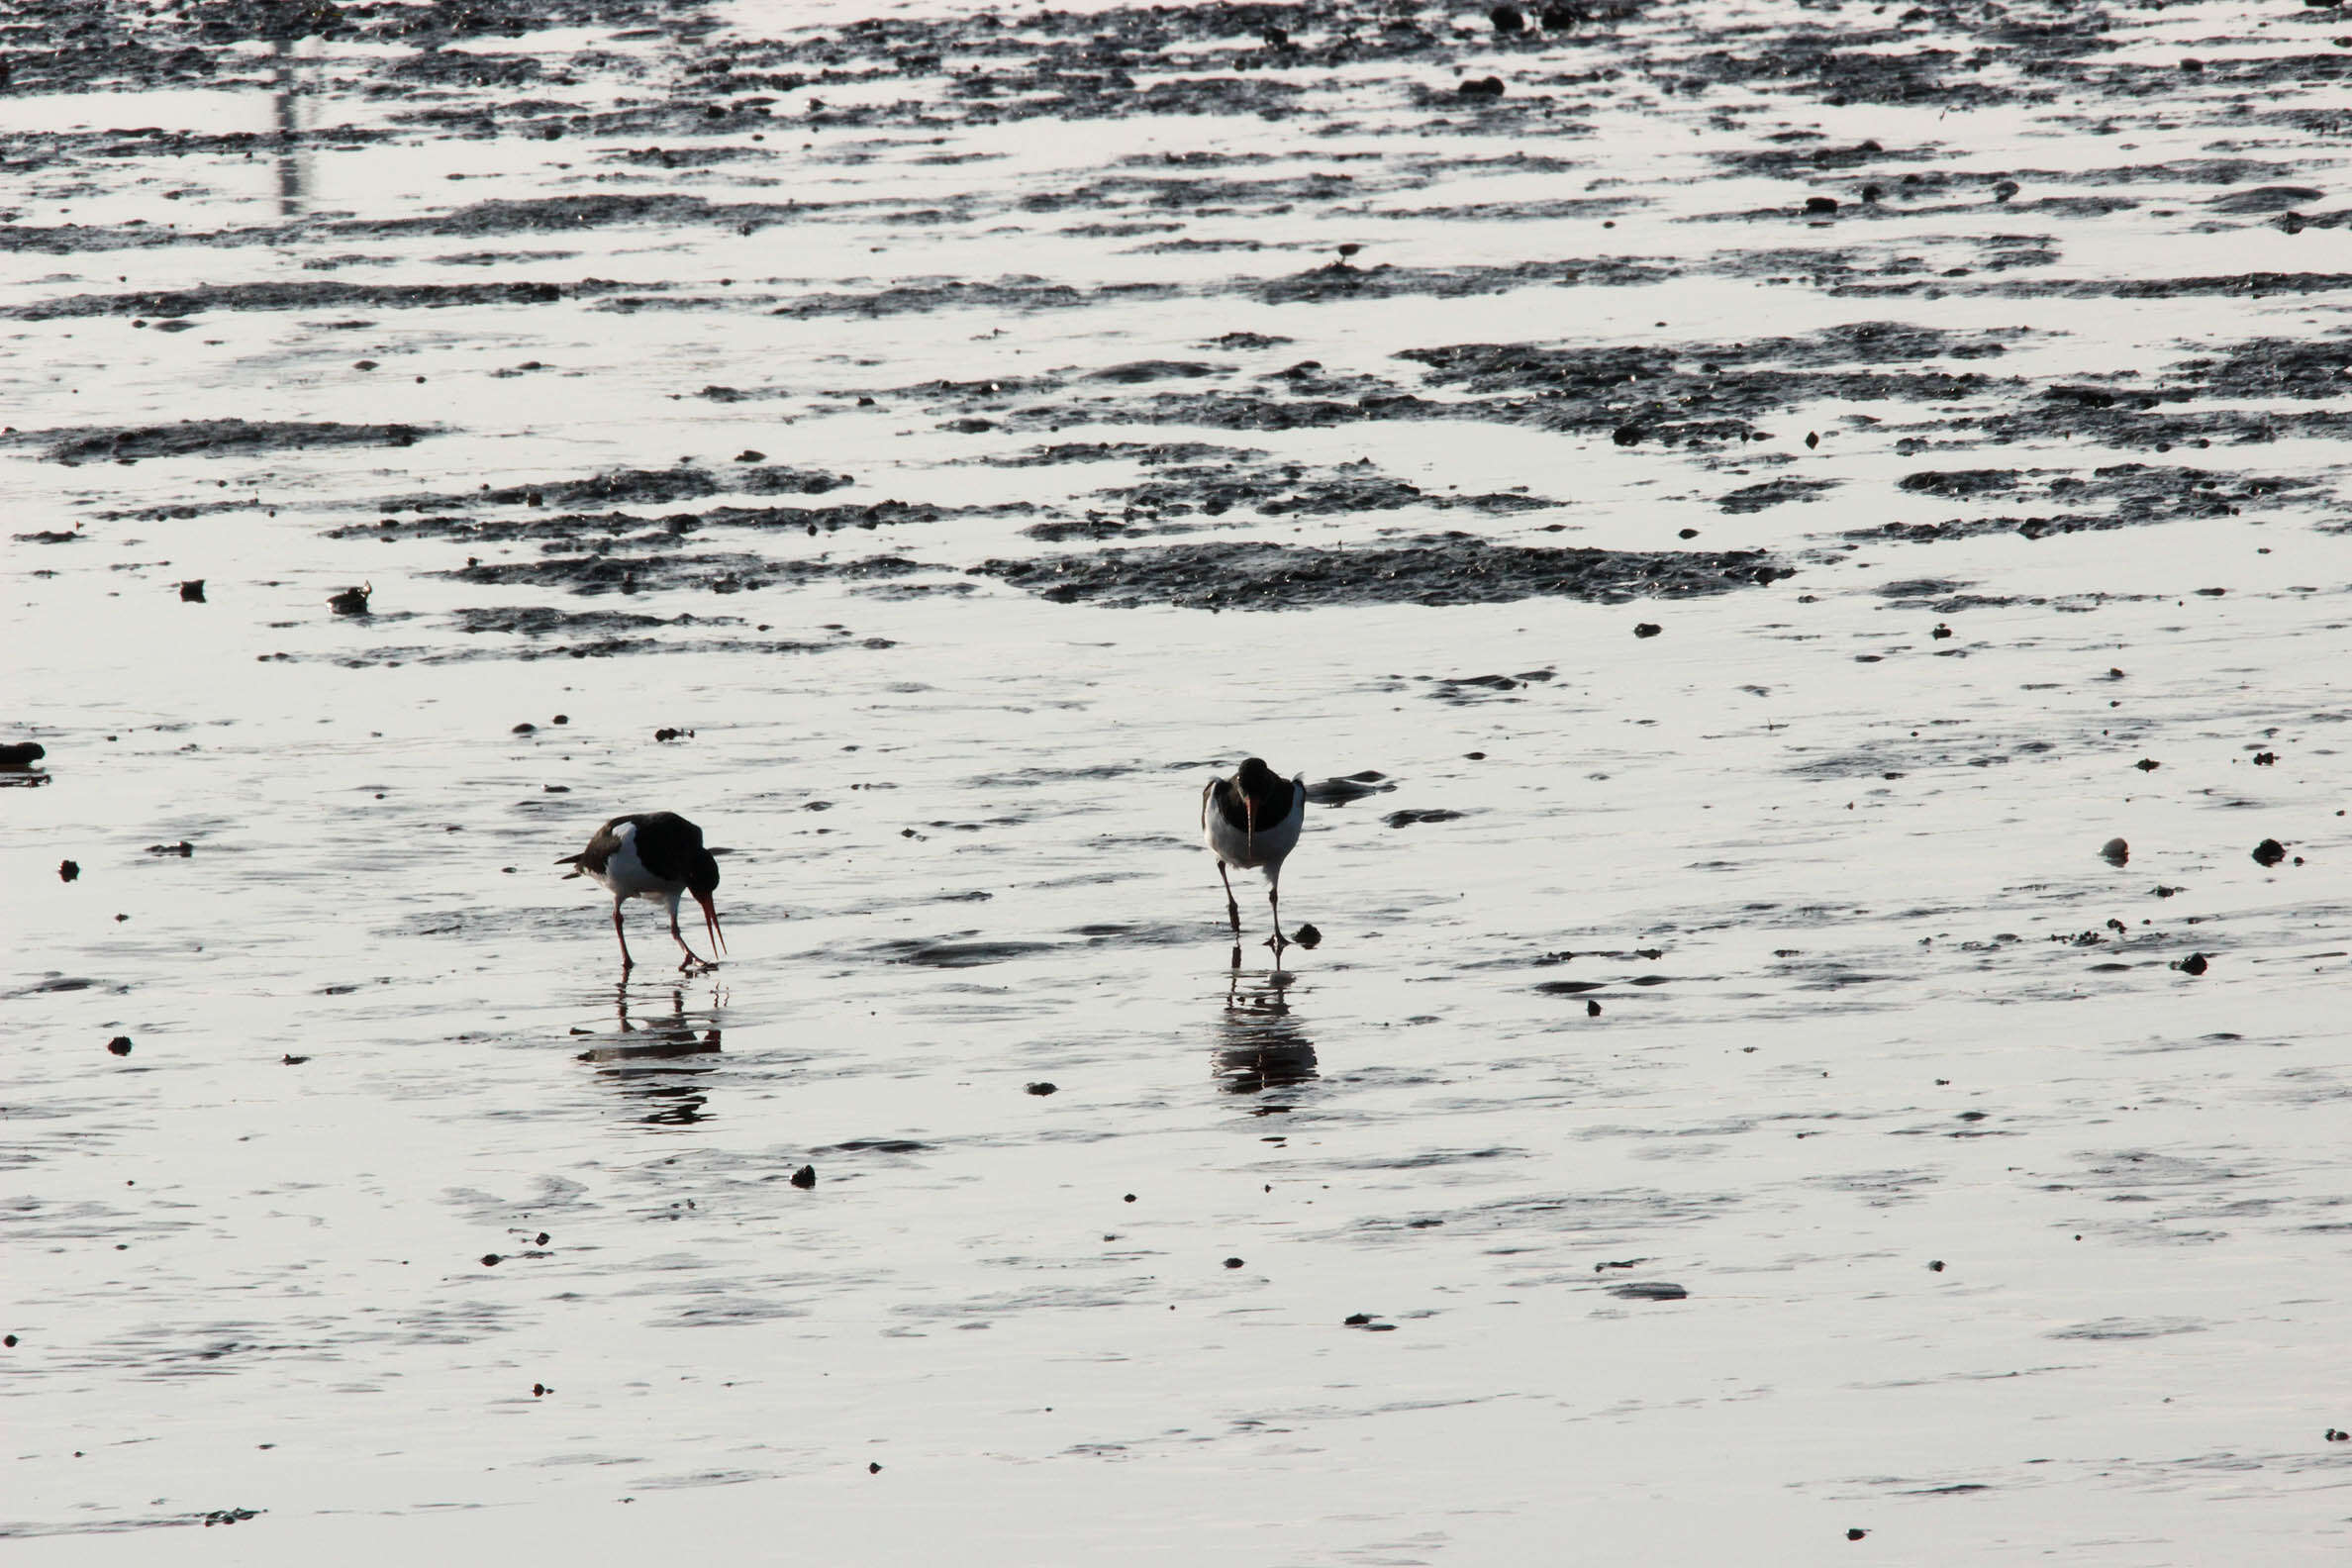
(1904, 1180)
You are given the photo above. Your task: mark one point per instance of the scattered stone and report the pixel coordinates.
(1936, 1266)
(2147, 764)
(873, 1467)
(1647, 629)
(192, 591)
(1307, 936)
(1821, 204)
(1940, 632)
(805, 1178)
(2269, 852)
(1591, 1008)
(1856, 1535)
(1406, 819)
(292, 1060)
(183, 849)
(674, 735)
(491, 1260)
(22, 753)
(525, 728)
(67, 870)
(1508, 19)
(1043, 1088)
(2115, 852)
(351, 601)
(2194, 964)
(1481, 87)
(120, 1045)
(1233, 1262)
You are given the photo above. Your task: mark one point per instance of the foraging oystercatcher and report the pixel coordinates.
(656, 856)
(1252, 821)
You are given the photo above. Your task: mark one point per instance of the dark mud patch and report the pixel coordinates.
(536, 620)
(571, 214)
(173, 304)
(1438, 569)
(1352, 787)
(1211, 490)
(2119, 495)
(632, 487)
(602, 533)
(1772, 493)
(218, 437)
(1709, 391)
(961, 954)
(714, 572)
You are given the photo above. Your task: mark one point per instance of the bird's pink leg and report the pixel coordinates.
(1274, 899)
(691, 959)
(627, 963)
(1232, 910)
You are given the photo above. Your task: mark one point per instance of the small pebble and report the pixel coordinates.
(67, 870)
(120, 1044)
(805, 1177)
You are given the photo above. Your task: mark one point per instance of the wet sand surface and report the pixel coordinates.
(1799, 549)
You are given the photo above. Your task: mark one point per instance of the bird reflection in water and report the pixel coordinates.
(663, 1057)
(1260, 1047)
(286, 88)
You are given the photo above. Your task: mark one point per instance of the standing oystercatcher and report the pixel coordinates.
(656, 856)
(1252, 821)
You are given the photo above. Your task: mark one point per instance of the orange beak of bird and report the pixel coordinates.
(711, 920)
(1249, 816)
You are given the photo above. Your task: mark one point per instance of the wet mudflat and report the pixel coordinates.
(1798, 548)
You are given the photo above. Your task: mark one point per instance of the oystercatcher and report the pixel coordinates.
(657, 855)
(1252, 821)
